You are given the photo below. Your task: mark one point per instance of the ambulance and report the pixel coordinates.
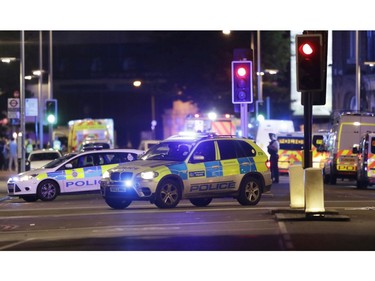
(225, 124)
(292, 146)
(264, 127)
(366, 160)
(345, 134)
(291, 150)
(319, 151)
(86, 132)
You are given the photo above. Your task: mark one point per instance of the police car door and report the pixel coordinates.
(84, 174)
(233, 162)
(204, 170)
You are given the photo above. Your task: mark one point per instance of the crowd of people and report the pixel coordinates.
(9, 153)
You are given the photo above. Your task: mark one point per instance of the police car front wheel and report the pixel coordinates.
(250, 191)
(48, 190)
(168, 194)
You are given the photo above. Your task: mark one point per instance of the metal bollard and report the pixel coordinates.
(314, 191)
(296, 186)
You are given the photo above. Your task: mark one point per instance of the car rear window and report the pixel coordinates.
(232, 149)
(44, 156)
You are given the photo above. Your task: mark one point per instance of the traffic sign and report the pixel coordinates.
(13, 108)
(31, 107)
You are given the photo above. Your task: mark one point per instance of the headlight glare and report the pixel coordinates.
(21, 178)
(149, 175)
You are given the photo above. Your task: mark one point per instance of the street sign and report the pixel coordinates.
(31, 107)
(13, 108)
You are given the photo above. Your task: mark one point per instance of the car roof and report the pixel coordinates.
(45, 151)
(202, 136)
(128, 150)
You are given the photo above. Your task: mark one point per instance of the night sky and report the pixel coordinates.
(174, 65)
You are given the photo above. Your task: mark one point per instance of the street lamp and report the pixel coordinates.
(7, 59)
(369, 63)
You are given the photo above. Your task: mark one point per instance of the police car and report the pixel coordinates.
(75, 172)
(197, 168)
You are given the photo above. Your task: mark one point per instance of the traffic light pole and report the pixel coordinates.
(22, 98)
(244, 120)
(307, 128)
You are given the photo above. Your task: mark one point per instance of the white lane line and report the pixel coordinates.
(16, 244)
(287, 241)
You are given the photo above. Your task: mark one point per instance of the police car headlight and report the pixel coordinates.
(106, 175)
(149, 175)
(21, 178)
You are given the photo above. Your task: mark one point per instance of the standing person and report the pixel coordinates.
(13, 157)
(6, 153)
(273, 149)
(2, 157)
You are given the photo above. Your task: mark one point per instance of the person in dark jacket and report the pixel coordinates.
(273, 149)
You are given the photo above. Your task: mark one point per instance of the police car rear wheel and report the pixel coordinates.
(250, 192)
(118, 204)
(200, 202)
(48, 190)
(168, 194)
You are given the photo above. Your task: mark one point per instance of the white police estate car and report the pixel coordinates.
(198, 169)
(75, 172)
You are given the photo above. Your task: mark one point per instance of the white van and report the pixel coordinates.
(277, 127)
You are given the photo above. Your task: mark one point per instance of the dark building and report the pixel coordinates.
(344, 70)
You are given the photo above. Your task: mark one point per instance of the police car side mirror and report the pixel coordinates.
(69, 166)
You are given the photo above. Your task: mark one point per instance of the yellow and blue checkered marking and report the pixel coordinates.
(210, 169)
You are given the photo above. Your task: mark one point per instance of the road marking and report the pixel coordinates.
(286, 239)
(16, 244)
(360, 209)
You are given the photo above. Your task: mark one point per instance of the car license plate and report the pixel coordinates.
(117, 189)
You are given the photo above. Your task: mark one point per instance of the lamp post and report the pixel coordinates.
(39, 74)
(137, 84)
(358, 72)
(22, 101)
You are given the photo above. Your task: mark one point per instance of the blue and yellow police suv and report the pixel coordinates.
(72, 173)
(197, 168)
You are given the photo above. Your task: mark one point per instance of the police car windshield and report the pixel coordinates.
(58, 161)
(169, 151)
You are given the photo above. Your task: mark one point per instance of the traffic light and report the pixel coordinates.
(51, 111)
(309, 63)
(242, 82)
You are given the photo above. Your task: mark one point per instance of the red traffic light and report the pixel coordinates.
(241, 72)
(306, 49)
(242, 84)
(309, 62)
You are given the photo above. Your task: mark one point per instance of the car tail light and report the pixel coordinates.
(268, 164)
